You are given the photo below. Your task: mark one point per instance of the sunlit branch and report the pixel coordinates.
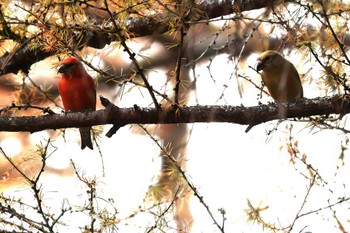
(340, 44)
(23, 58)
(341, 81)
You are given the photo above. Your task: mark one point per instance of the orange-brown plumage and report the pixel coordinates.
(78, 93)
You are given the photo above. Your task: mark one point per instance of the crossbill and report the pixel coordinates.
(78, 93)
(280, 77)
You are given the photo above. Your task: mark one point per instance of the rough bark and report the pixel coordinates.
(191, 114)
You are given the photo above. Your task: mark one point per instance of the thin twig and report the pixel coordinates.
(179, 66)
(184, 176)
(91, 192)
(165, 211)
(27, 106)
(132, 55)
(341, 45)
(298, 215)
(34, 185)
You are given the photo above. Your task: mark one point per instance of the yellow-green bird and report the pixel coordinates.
(280, 77)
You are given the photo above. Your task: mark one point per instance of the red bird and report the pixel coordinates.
(78, 93)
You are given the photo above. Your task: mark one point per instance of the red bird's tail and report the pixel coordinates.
(86, 138)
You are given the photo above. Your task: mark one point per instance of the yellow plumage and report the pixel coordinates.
(280, 77)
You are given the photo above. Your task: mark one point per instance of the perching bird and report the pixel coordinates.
(280, 76)
(78, 93)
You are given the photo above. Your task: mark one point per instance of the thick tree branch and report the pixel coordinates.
(24, 57)
(230, 114)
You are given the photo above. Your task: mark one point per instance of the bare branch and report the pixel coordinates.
(188, 114)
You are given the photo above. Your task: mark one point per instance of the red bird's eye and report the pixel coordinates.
(65, 68)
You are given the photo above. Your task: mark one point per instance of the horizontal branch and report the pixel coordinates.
(191, 114)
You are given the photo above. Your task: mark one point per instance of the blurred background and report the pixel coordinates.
(281, 176)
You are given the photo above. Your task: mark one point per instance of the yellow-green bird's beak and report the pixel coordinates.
(260, 66)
